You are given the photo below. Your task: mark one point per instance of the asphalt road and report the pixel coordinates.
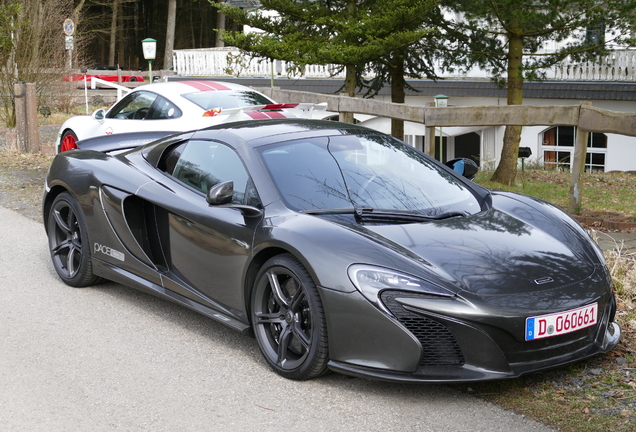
(111, 358)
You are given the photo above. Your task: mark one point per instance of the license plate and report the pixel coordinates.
(561, 323)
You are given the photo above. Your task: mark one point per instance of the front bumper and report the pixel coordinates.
(368, 342)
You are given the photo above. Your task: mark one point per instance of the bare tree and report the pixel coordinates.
(31, 45)
(113, 33)
(172, 21)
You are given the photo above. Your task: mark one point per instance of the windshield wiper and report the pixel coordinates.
(329, 211)
(363, 213)
(368, 213)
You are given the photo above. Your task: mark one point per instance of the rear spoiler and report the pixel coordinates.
(306, 109)
(122, 141)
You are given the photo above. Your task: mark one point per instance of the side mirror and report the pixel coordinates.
(221, 193)
(464, 166)
(99, 115)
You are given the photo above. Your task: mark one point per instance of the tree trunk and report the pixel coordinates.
(220, 26)
(506, 171)
(113, 34)
(350, 75)
(397, 93)
(121, 39)
(38, 25)
(76, 12)
(349, 90)
(172, 22)
(12, 63)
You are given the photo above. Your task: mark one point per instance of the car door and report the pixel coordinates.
(207, 247)
(139, 111)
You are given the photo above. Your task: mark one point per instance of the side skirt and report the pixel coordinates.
(126, 278)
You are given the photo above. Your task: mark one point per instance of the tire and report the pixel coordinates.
(68, 142)
(68, 242)
(288, 319)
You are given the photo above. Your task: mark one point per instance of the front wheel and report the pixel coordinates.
(68, 242)
(288, 319)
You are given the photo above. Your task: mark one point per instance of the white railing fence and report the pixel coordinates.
(620, 65)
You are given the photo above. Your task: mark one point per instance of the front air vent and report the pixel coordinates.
(439, 345)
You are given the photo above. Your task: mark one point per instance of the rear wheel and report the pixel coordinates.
(288, 319)
(69, 141)
(68, 242)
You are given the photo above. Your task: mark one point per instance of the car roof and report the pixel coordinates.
(190, 86)
(260, 132)
(256, 133)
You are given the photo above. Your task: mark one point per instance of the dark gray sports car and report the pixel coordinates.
(339, 247)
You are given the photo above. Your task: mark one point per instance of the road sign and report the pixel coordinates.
(69, 27)
(69, 42)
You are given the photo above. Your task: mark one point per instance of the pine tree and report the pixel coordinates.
(511, 39)
(416, 61)
(351, 33)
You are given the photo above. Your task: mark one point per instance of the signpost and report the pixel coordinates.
(69, 29)
(149, 47)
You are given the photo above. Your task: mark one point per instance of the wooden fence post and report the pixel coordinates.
(429, 141)
(429, 136)
(26, 118)
(578, 167)
(19, 94)
(33, 131)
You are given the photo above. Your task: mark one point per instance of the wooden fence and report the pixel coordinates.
(584, 117)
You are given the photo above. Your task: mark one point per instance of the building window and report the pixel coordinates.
(595, 35)
(558, 149)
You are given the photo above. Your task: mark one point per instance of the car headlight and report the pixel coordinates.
(371, 280)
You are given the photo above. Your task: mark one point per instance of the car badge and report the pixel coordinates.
(543, 280)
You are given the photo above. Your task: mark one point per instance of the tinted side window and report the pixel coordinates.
(135, 106)
(169, 159)
(204, 164)
(163, 109)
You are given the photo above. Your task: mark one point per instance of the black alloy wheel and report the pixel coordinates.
(68, 242)
(288, 319)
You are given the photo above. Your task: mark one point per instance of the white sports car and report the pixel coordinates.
(175, 106)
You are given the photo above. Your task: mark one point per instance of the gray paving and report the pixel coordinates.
(112, 358)
(625, 242)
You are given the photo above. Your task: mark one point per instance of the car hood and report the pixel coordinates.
(487, 254)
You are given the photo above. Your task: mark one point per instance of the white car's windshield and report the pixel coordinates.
(226, 99)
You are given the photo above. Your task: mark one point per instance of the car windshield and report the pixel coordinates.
(368, 171)
(226, 99)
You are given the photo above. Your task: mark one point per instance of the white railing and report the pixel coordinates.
(620, 65)
(232, 62)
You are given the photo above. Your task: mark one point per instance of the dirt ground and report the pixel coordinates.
(22, 176)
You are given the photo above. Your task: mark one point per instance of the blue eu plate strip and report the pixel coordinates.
(530, 328)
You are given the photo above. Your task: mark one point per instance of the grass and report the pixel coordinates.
(602, 192)
(570, 399)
